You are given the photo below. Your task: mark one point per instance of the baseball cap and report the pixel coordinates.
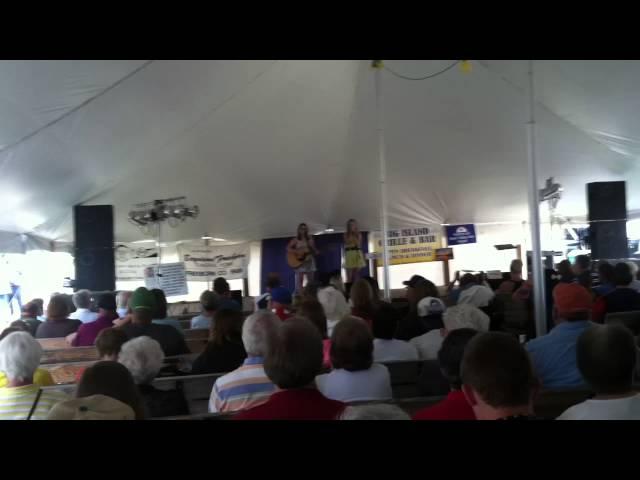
(430, 306)
(415, 281)
(107, 301)
(281, 295)
(572, 298)
(142, 298)
(94, 407)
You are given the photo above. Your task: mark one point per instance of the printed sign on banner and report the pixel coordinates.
(171, 280)
(409, 245)
(461, 234)
(208, 262)
(131, 261)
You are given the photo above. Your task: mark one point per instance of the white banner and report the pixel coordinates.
(204, 263)
(131, 261)
(168, 277)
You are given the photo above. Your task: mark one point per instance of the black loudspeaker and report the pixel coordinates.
(608, 240)
(94, 254)
(607, 201)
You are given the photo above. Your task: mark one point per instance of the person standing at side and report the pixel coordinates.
(353, 258)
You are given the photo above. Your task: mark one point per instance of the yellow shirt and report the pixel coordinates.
(42, 378)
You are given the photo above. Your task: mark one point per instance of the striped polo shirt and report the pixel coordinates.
(245, 387)
(16, 402)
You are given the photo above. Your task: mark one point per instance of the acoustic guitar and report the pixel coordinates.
(297, 259)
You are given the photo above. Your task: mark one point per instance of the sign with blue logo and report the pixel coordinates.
(461, 234)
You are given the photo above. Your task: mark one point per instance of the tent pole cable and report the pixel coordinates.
(534, 213)
(378, 66)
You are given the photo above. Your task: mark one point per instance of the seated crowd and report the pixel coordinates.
(319, 354)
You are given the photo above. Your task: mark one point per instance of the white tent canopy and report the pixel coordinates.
(262, 145)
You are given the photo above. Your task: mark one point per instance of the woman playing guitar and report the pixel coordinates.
(353, 258)
(300, 252)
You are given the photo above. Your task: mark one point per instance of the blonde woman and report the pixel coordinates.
(353, 258)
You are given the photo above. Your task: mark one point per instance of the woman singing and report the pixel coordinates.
(353, 258)
(304, 249)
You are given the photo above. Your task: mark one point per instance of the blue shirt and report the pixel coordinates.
(554, 355)
(603, 289)
(201, 322)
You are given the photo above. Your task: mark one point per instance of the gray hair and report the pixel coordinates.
(380, 411)
(82, 299)
(465, 316)
(257, 331)
(122, 298)
(143, 357)
(20, 356)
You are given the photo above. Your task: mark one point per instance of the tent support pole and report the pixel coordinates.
(377, 65)
(539, 307)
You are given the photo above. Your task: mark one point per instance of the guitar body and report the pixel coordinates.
(297, 259)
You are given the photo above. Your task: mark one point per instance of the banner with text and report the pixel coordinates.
(409, 245)
(204, 263)
(168, 277)
(131, 261)
(461, 234)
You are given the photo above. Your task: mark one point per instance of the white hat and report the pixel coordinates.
(430, 306)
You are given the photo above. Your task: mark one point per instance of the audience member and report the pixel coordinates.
(83, 303)
(310, 290)
(497, 379)
(312, 310)
(554, 355)
(225, 351)
(515, 280)
(222, 288)
(106, 392)
(29, 316)
(87, 332)
(335, 306)
(292, 363)
(262, 302)
(455, 405)
(413, 325)
(108, 344)
(248, 386)
(281, 303)
(582, 270)
(40, 303)
(458, 316)
(122, 301)
(210, 302)
(565, 270)
(142, 305)
(41, 377)
(378, 411)
(160, 314)
(355, 377)
(607, 356)
(144, 358)
(605, 278)
(21, 398)
(622, 299)
(57, 325)
(472, 293)
(335, 280)
(385, 347)
(362, 301)
(635, 283)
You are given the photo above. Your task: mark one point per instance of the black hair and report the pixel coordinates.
(160, 310)
(622, 274)
(451, 353)
(606, 272)
(384, 324)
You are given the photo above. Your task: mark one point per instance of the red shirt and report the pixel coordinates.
(282, 313)
(295, 404)
(453, 407)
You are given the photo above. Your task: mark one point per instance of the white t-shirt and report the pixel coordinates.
(615, 409)
(393, 351)
(84, 315)
(362, 386)
(428, 345)
(476, 295)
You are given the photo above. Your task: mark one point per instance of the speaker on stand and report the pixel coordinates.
(94, 254)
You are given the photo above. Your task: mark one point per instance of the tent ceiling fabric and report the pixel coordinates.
(263, 145)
